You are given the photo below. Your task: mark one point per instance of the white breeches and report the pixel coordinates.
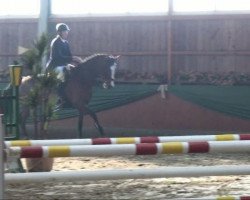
(60, 73)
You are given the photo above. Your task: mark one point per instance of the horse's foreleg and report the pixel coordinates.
(80, 122)
(24, 114)
(94, 117)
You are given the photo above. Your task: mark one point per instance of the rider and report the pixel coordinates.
(60, 56)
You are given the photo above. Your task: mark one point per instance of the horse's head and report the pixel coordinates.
(108, 71)
(96, 67)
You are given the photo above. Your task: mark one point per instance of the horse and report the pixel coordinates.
(78, 86)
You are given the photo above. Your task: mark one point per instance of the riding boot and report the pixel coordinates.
(60, 90)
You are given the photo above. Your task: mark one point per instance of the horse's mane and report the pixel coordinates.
(87, 63)
(92, 57)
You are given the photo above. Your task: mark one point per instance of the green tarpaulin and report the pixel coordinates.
(231, 100)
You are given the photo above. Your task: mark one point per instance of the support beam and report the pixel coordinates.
(43, 17)
(43, 21)
(170, 13)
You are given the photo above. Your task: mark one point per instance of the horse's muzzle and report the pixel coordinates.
(107, 85)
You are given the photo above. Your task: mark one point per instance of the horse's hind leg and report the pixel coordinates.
(94, 117)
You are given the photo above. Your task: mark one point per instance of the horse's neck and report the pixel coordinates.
(88, 77)
(86, 73)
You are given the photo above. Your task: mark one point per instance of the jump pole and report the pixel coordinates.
(222, 198)
(129, 149)
(115, 174)
(129, 140)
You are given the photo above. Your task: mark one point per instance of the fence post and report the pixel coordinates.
(1, 159)
(16, 78)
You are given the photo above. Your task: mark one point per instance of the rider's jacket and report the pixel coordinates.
(60, 54)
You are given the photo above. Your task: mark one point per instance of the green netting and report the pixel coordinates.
(3, 85)
(8, 107)
(231, 100)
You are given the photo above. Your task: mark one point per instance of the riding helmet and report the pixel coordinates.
(62, 27)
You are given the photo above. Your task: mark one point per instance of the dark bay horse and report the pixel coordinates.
(82, 78)
(80, 81)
